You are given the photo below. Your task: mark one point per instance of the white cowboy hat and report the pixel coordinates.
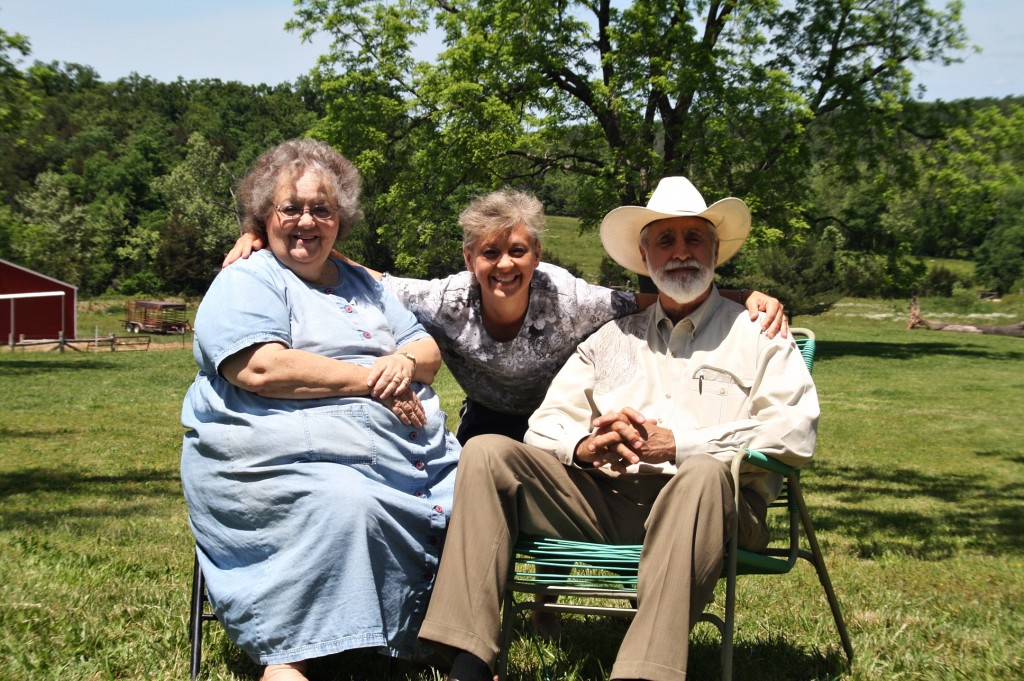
(674, 197)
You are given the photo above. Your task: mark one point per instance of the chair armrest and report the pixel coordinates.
(764, 461)
(759, 460)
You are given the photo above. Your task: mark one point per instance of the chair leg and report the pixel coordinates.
(731, 548)
(819, 565)
(195, 620)
(730, 610)
(508, 616)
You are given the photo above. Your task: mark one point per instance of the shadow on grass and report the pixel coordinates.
(827, 350)
(78, 494)
(220, 653)
(774, 659)
(1013, 457)
(65, 481)
(959, 510)
(354, 665)
(589, 645)
(586, 651)
(7, 434)
(21, 367)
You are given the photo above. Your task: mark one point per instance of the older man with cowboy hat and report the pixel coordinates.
(632, 442)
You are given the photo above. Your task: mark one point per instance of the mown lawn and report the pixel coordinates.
(916, 490)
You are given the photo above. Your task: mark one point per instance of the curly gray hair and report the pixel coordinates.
(287, 162)
(499, 211)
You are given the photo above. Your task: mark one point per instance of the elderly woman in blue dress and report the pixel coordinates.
(508, 322)
(317, 466)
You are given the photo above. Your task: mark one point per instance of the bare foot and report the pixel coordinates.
(293, 671)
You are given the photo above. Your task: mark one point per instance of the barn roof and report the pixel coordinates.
(7, 263)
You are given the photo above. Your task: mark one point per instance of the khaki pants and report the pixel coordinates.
(504, 488)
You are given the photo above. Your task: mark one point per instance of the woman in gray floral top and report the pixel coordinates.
(507, 324)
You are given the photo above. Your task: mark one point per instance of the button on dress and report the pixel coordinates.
(316, 521)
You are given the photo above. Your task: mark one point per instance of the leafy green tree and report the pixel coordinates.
(942, 281)
(66, 240)
(67, 105)
(197, 193)
(964, 176)
(17, 102)
(802, 274)
(937, 194)
(137, 252)
(50, 240)
(1000, 258)
(616, 95)
(19, 110)
(10, 228)
(118, 155)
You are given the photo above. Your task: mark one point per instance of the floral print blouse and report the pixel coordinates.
(510, 376)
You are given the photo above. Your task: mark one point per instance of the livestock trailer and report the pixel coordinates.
(155, 316)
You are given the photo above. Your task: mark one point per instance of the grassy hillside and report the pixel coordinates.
(565, 242)
(963, 268)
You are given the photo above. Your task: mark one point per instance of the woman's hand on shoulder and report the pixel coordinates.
(243, 248)
(775, 321)
(248, 243)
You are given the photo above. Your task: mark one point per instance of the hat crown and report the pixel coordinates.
(673, 197)
(677, 195)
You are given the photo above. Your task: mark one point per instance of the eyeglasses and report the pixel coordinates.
(320, 212)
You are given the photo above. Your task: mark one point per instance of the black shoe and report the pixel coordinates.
(469, 667)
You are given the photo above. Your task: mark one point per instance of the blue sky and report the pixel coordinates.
(245, 40)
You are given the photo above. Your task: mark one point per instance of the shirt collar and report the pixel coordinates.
(692, 323)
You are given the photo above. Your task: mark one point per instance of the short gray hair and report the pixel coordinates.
(288, 161)
(500, 211)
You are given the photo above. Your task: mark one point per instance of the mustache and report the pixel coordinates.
(688, 263)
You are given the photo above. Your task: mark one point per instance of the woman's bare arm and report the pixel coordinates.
(275, 370)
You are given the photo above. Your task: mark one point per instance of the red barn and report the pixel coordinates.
(35, 306)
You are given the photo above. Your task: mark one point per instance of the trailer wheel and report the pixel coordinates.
(134, 328)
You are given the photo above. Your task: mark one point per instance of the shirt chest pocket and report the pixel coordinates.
(718, 395)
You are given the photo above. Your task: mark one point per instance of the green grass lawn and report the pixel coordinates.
(916, 489)
(564, 241)
(963, 268)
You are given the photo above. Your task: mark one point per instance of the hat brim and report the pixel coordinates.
(620, 230)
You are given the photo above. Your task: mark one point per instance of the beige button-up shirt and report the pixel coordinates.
(713, 379)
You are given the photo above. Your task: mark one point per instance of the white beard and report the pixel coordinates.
(682, 281)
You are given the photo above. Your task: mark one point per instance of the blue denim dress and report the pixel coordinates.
(318, 523)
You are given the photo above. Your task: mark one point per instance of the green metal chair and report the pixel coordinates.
(582, 570)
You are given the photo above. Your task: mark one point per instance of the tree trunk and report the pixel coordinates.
(917, 323)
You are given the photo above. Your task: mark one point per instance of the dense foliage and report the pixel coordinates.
(126, 186)
(802, 108)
